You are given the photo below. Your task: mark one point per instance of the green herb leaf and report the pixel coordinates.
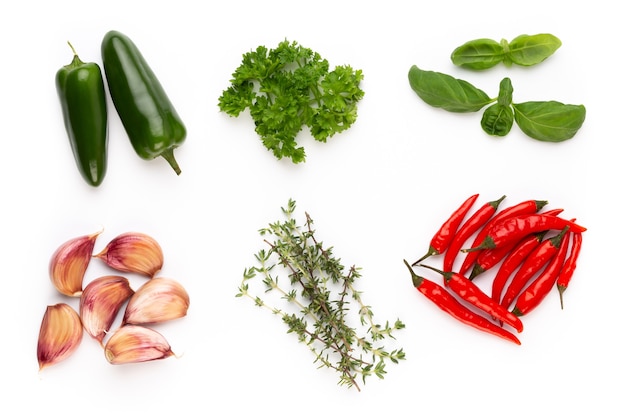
(497, 120)
(337, 108)
(549, 121)
(478, 54)
(526, 50)
(505, 95)
(529, 50)
(305, 275)
(446, 92)
(290, 87)
(237, 98)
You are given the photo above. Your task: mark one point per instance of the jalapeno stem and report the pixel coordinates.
(168, 155)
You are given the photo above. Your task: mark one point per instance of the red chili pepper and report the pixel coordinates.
(569, 266)
(488, 258)
(525, 207)
(513, 229)
(514, 259)
(540, 287)
(553, 212)
(441, 240)
(448, 303)
(536, 260)
(471, 293)
(475, 222)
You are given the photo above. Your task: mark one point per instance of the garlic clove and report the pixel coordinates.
(59, 336)
(69, 263)
(100, 302)
(132, 344)
(133, 252)
(156, 301)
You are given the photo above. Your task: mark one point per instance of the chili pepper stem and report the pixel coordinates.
(561, 289)
(486, 244)
(417, 280)
(476, 270)
(168, 155)
(557, 239)
(431, 251)
(446, 275)
(72, 47)
(76, 61)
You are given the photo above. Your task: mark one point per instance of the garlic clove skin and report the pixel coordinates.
(133, 344)
(60, 335)
(69, 263)
(156, 301)
(100, 302)
(133, 252)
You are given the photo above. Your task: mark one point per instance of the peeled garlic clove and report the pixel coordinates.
(69, 263)
(133, 252)
(100, 302)
(59, 336)
(131, 344)
(157, 300)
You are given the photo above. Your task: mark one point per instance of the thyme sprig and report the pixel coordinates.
(321, 291)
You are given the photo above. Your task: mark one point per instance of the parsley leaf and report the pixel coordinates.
(289, 87)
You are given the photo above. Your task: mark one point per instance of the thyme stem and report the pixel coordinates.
(322, 293)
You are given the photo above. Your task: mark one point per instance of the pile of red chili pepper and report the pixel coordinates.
(530, 251)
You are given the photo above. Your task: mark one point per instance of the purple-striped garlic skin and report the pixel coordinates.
(133, 252)
(60, 334)
(100, 303)
(69, 263)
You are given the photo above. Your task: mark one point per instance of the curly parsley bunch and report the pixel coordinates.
(289, 87)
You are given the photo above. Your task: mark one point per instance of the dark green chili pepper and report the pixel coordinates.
(149, 118)
(80, 87)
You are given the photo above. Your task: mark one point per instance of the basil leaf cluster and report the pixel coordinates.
(524, 50)
(548, 121)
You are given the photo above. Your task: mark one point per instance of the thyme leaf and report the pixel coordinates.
(319, 301)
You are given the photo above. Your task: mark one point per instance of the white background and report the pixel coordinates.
(377, 193)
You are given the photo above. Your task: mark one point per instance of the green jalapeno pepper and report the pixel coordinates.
(80, 87)
(149, 118)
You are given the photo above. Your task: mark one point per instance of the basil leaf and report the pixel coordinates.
(446, 92)
(529, 50)
(505, 96)
(549, 121)
(478, 54)
(497, 120)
